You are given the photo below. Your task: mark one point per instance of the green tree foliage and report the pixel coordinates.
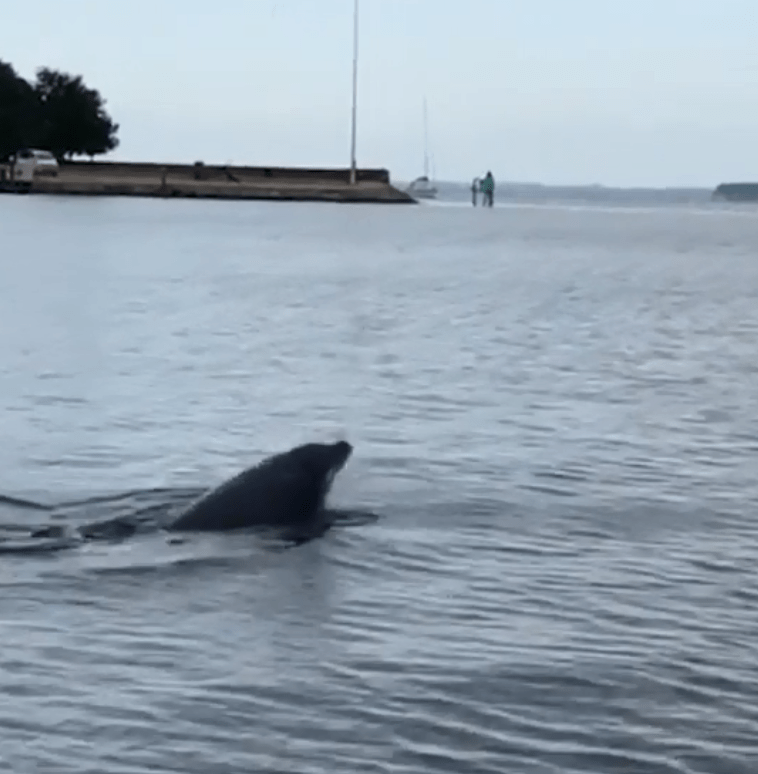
(18, 111)
(75, 121)
(59, 113)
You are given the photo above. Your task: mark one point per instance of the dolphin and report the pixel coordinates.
(286, 490)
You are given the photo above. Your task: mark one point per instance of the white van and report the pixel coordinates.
(29, 163)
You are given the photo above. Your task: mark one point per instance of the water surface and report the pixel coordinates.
(555, 414)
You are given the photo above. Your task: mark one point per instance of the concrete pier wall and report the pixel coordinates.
(112, 178)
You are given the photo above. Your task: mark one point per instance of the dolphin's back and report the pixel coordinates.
(280, 491)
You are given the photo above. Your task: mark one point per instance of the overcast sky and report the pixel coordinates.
(618, 92)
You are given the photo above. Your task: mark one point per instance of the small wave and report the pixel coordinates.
(39, 545)
(18, 502)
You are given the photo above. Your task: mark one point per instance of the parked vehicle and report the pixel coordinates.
(31, 162)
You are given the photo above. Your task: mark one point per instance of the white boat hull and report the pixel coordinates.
(422, 189)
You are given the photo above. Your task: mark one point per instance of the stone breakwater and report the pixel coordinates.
(111, 178)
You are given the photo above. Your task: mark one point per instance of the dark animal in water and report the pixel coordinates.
(287, 490)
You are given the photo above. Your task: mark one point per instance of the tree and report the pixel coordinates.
(73, 118)
(19, 112)
(59, 113)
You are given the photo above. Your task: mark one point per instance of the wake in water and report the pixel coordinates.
(69, 524)
(113, 519)
(286, 491)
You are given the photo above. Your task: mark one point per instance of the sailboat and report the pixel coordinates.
(422, 187)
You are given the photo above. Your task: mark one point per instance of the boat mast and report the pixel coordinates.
(426, 145)
(355, 93)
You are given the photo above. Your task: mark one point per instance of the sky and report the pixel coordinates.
(561, 92)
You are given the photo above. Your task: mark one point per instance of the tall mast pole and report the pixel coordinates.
(355, 93)
(426, 144)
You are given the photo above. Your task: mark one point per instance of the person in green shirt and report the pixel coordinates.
(488, 189)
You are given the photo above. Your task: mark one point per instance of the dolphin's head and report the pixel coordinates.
(340, 451)
(324, 461)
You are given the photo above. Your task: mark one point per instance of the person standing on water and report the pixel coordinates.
(488, 189)
(474, 190)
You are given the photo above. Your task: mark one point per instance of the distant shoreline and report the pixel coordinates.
(737, 192)
(201, 181)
